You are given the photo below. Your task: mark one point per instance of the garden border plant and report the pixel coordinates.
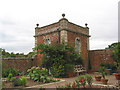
(103, 72)
(40, 74)
(116, 57)
(11, 70)
(82, 80)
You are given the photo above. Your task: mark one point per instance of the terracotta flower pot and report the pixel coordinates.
(117, 75)
(98, 77)
(104, 81)
(108, 71)
(90, 71)
(70, 74)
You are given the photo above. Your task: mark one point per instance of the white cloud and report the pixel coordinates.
(18, 19)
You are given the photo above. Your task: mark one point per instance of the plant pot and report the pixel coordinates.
(90, 71)
(104, 81)
(98, 77)
(70, 74)
(108, 71)
(117, 75)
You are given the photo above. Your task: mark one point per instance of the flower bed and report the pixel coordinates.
(7, 84)
(37, 76)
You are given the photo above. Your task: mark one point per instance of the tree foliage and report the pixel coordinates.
(57, 55)
(116, 54)
(112, 46)
(5, 54)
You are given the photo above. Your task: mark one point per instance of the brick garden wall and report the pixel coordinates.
(19, 64)
(100, 56)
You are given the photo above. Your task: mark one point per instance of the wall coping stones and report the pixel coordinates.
(17, 59)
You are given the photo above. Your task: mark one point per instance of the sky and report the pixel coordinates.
(18, 19)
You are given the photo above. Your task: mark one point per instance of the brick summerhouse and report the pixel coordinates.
(67, 31)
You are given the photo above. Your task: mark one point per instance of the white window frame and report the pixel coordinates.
(47, 41)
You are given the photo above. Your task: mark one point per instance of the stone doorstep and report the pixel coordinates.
(61, 80)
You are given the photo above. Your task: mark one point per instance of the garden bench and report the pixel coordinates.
(79, 69)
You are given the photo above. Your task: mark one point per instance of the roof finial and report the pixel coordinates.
(37, 24)
(86, 24)
(63, 15)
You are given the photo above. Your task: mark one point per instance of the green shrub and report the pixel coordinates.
(17, 81)
(22, 73)
(116, 55)
(89, 80)
(24, 80)
(13, 78)
(57, 55)
(103, 72)
(10, 76)
(109, 66)
(69, 68)
(13, 71)
(58, 69)
(39, 74)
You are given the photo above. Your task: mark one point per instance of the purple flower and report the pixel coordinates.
(17, 77)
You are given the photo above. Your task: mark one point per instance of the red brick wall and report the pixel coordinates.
(83, 39)
(19, 64)
(100, 56)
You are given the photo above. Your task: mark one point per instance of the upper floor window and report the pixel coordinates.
(47, 41)
(77, 45)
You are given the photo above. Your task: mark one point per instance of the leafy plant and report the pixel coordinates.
(57, 55)
(24, 80)
(81, 80)
(103, 72)
(109, 66)
(70, 85)
(21, 73)
(39, 74)
(17, 81)
(13, 71)
(58, 69)
(89, 80)
(10, 76)
(116, 55)
(69, 67)
(29, 71)
(36, 75)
